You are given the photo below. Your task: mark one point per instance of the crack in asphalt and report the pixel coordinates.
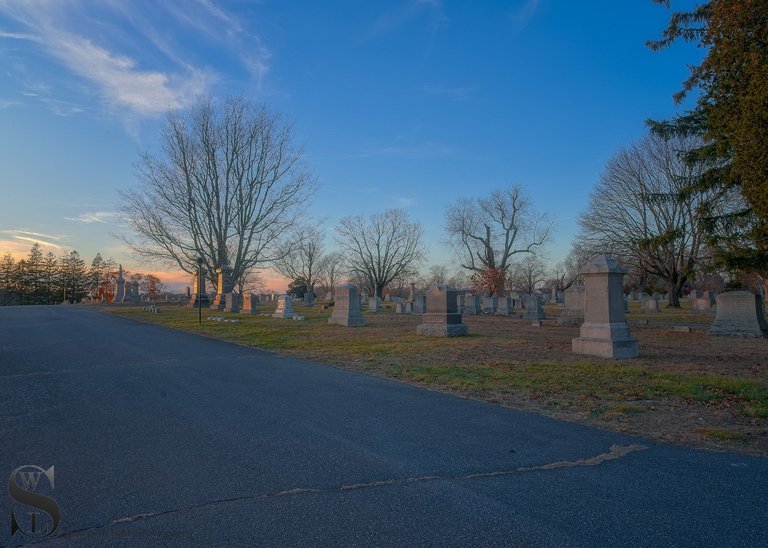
(615, 452)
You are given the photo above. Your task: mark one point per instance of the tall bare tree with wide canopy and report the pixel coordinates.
(382, 248)
(486, 233)
(644, 210)
(226, 184)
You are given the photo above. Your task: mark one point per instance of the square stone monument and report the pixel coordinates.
(231, 302)
(225, 285)
(346, 308)
(284, 307)
(574, 306)
(441, 318)
(249, 304)
(472, 305)
(739, 314)
(199, 283)
(605, 332)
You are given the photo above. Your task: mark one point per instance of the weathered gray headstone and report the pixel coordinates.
(504, 306)
(346, 308)
(739, 314)
(472, 305)
(706, 303)
(231, 302)
(284, 307)
(651, 304)
(441, 318)
(309, 298)
(573, 314)
(489, 304)
(374, 304)
(605, 332)
(399, 308)
(420, 304)
(533, 309)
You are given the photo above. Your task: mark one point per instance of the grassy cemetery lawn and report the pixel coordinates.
(685, 387)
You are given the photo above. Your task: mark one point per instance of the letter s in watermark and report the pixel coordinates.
(23, 487)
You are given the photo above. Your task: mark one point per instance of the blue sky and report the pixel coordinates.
(403, 103)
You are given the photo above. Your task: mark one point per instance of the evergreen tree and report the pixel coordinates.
(7, 280)
(731, 114)
(74, 276)
(35, 290)
(51, 278)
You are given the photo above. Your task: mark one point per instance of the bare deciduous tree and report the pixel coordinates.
(644, 212)
(528, 274)
(226, 185)
(487, 233)
(380, 249)
(331, 270)
(438, 275)
(301, 254)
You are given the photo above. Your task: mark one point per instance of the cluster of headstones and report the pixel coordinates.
(599, 306)
(152, 308)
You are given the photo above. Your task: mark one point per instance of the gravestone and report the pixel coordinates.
(706, 303)
(420, 304)
(132, 292)
(739, 314)
(605, 332)
(309, 298)
(284, 307)
(533, 309)
(249, 304)
(231, 302)
(120, 293)
(472, 305)
(399, 308)
(346, 310)
(225, 285)
(651, 304)
(199, 283)
(441, 318)
(573, 314)
(504, 306)
(516, 300)
(489, 304)
(374, 304)
(460, 302)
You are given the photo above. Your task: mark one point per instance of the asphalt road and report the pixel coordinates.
(160, 437)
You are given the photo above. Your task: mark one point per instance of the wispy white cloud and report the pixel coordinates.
(93, 217)
(27, 236)
(133, 55)
(405, 201)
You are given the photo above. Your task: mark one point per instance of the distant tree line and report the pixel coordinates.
(44, 278)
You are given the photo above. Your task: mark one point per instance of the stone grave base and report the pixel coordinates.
(442, 330)
(616, 349)
(347, 322)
